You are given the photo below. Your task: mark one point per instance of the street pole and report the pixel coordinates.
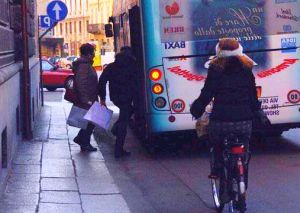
(40, 56)
(41, 69)
(25, 78)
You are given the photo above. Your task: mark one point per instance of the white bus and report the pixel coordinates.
(174, 39)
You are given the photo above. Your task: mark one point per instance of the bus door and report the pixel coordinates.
(137, 48)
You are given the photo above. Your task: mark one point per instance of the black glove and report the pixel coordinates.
(262, 118)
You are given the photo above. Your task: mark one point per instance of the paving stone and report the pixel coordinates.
(79, 156)
(21, 199)
(59, 184)
(23, 186)
(24, 177)
(58, 142)
(91, 169)
(59, 197)
(56, 151)
(96, 185)
(26, 169)
(28, 159)
(104, 203)
(17, 208)
(28, 151)
(59, 208)
(57, 168)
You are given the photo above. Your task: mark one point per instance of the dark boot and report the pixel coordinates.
(121, 153)
(114, 129)
(88, 148)
(77, 140)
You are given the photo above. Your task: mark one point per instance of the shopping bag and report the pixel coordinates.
(76, 119)
(99, 115)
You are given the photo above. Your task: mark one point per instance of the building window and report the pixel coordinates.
(80, 27)
(75, 30)
(70, 27)
(61, 29)
(66, 28)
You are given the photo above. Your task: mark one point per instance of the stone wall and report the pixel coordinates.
(11, 48)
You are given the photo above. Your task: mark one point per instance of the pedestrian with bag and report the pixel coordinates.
(121, 75)
(231, 83)
(85, 85)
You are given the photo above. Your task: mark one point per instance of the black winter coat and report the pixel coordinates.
(122, 78)
(232, 85)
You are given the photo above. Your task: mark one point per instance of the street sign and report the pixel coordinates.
(46, 22)
(57, 10)
(49, 34)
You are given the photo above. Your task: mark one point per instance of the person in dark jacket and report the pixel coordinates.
(231, 84)
(86, 81)
(121, 75)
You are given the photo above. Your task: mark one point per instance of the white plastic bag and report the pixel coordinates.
(76, 119)
(99, 115)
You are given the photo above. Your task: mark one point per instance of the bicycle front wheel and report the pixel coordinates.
(217, 186)
(216, 192)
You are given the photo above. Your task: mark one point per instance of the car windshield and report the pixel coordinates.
(47, 66)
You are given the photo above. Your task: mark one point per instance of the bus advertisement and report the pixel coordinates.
(178, 39)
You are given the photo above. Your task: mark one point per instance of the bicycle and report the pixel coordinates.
(233, 177)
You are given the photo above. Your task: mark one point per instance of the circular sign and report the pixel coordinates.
(294, 96)
(57, 10)
(178, 105)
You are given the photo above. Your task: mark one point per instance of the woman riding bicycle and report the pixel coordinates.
(231, 83)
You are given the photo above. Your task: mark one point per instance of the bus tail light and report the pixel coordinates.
(258, 91)
(157, 89)
(155, 75)
(160, 102)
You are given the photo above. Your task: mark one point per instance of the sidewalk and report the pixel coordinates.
(50, 174)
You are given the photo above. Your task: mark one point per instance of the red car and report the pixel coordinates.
(53, 76)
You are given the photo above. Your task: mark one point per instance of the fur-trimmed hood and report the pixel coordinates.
(222, 63)
(229, 50)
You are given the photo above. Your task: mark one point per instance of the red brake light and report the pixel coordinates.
(157, 89)
(258, 91)
(155, 75)
(238, 150)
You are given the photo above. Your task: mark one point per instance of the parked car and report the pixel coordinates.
(55, 59)
(67, 62)
(53, 76)
(72, 58)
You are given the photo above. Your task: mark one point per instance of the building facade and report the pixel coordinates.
(50, 45)
(85, 23)
(19, 78)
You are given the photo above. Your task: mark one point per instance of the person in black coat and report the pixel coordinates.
(231, 85)
(122, 78)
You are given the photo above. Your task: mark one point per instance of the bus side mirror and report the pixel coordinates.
(108, 30)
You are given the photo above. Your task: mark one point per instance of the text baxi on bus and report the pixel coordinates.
(174, 40)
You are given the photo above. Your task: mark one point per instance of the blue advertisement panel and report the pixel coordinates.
(194, 20)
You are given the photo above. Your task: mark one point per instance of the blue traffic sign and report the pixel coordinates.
(57, 10)
(46, 22)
